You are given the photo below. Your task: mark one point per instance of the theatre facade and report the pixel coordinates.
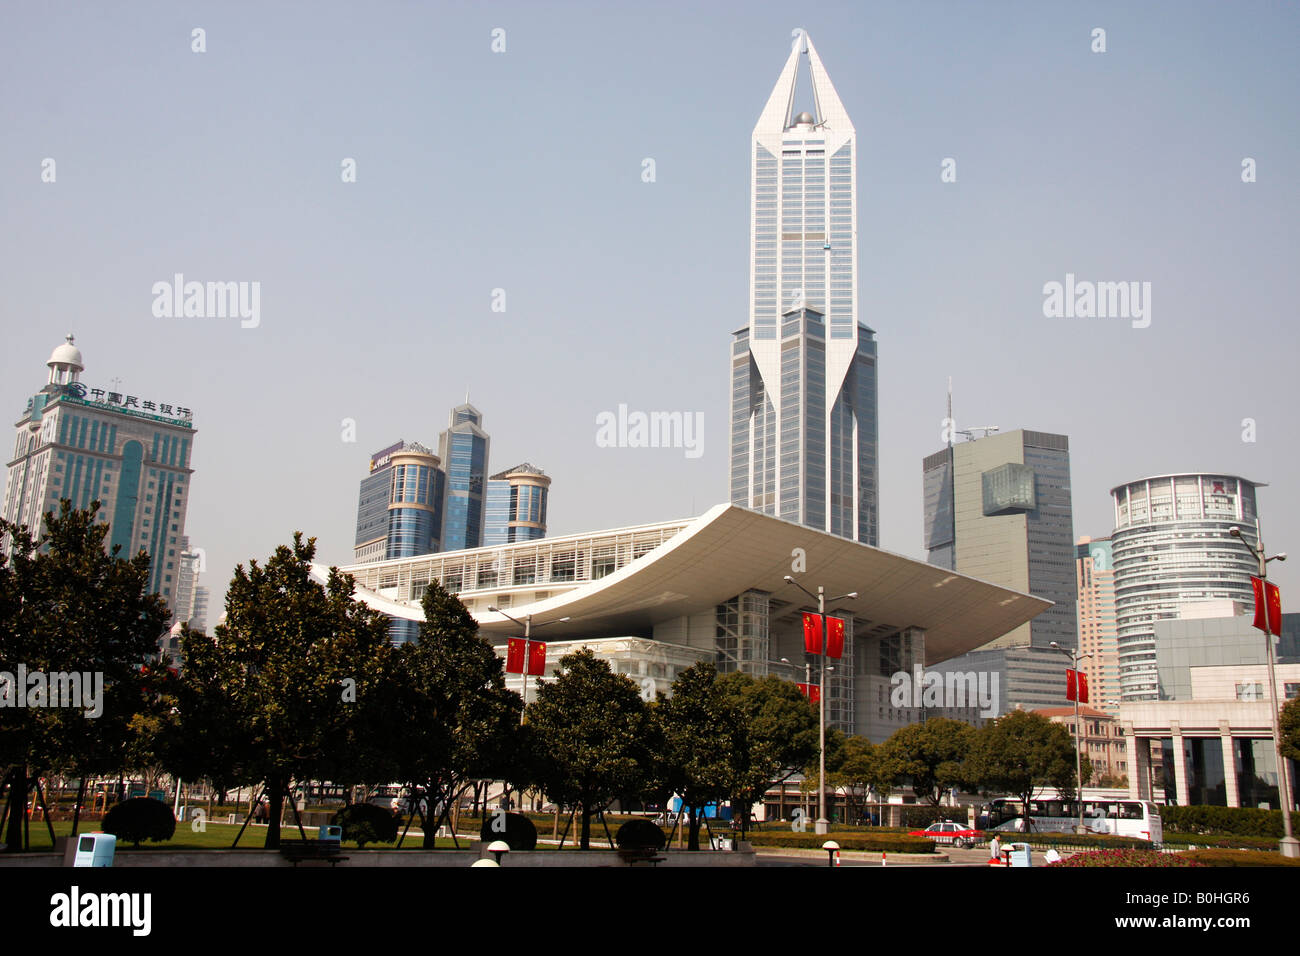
(654, 599)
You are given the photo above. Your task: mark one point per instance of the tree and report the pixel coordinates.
(1289, 725)
(704, 745)
(593, 732)
(1022, 752)
(932, 754)
(68, 607)
(781, 729)
(276, 687)
(863, 768)
(457, 720)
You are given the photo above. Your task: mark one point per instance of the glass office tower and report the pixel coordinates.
(463, 448)
(803, 399)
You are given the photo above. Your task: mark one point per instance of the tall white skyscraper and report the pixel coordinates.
(803, 372)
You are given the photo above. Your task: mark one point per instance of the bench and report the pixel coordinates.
(295, 851)
(634, 855)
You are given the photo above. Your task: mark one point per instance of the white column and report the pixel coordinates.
(1229, 765)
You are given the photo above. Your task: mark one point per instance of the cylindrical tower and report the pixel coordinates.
(1171, 547)
(415, 505)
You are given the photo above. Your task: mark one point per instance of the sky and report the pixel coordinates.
(501, 237)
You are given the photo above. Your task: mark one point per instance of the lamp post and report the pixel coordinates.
(527, 625)
(822, 825)
(1075, 657)
(1288, 845)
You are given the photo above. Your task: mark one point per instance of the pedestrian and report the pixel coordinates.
(995, 849)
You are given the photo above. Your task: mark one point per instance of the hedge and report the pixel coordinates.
(1239, 858)
(888, 842)
(1097, 858)
(1211, 841)
(1228, 821)
(1098, 840)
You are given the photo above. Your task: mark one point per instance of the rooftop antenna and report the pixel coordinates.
(951, 424)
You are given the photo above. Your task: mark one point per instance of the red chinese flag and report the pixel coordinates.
(1082, 687)
(834, 637)
(811, 691)
(812, 633)
(515, 656)
(1071, 688)
(537, 658)
(1274, 604)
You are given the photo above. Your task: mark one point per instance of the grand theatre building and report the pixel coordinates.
(654, 599)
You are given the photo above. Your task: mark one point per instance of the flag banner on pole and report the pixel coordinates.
(811, 691)
(1274, 604)
(537, 658)
(1076, 686)
(1082, 681)
(834, 637)
(515, 656)
(812, 633)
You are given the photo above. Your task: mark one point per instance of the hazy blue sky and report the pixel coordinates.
(521, 171)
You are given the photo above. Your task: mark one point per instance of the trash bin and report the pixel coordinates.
(330, 833)
(95, 849)
(1020, 855)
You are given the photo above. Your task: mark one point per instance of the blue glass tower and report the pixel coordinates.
(463, 448)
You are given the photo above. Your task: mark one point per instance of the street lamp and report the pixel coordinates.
(1078, 754)
(1288, 846)
(822, 825)
(527, 625)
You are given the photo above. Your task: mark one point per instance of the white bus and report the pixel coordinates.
(1130, 818)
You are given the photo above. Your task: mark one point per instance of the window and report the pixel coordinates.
(1250, 690)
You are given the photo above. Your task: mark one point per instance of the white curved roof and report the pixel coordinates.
(729, 550)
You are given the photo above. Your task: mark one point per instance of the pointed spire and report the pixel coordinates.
(778, 113)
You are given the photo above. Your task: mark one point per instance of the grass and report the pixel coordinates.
(215, 836)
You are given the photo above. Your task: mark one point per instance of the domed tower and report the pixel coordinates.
(65, 364)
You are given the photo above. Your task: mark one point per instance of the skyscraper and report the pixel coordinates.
(131, 454)
(999, 508)
(399, 507)
(516, 505)
(1172, 548)
(803, 371)
(1095, 569)
(463, 448)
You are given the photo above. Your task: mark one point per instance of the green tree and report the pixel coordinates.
(862, 768)
(1023, 752)
(458, 721)
(1289, 724)
(781, 730)
(705, 744)
(931, 754)
(67, 606)
(276, 687)
(593, 731)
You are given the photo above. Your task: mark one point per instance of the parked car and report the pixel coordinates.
(952, 834)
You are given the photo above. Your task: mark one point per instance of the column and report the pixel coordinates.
(1139, 765)
(1229, 765)
(1182, 797)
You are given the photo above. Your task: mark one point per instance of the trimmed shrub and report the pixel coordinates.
(1220, 842)
(886, 842)
(1226, 821)
(1094, 858)
(1240, 858)
(140, 819)
(366, 823)
(1099, 840)
(640, 835)
(519, 834)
